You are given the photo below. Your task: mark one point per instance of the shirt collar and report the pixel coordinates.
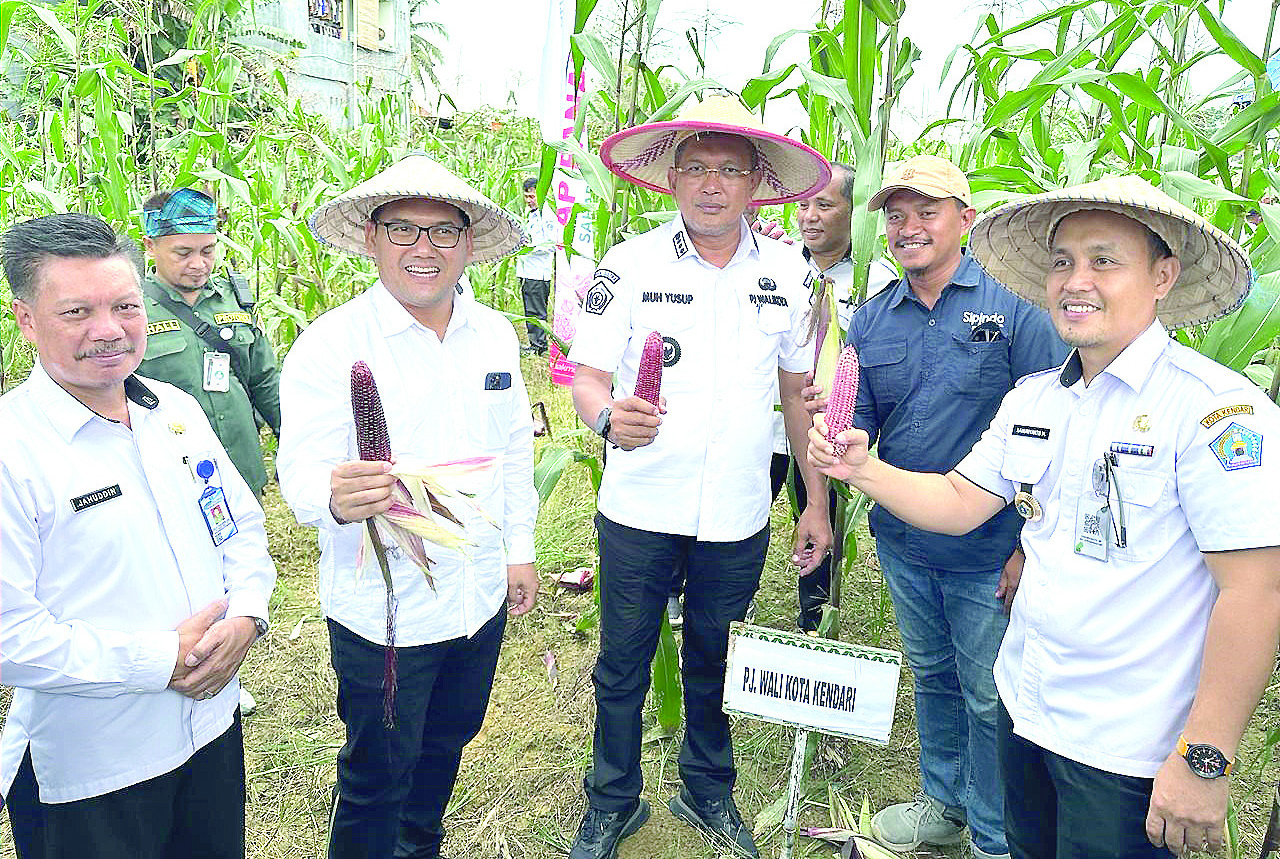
(1132, 366)
(212, 286)
(967, 276)
(67, 414)
(848, 257)
(393, 318)
(682, 246)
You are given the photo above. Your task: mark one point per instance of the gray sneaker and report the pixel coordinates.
(924, 820)
(673, 612)
(976, 852)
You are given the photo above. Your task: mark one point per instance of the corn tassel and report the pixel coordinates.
(649, 374)
(844, 396)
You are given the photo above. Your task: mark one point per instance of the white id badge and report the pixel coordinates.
(1093, 529)
(217, 371)
(217, 515)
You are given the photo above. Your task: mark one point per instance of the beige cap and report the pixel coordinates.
(925, 174)
(1012, 244)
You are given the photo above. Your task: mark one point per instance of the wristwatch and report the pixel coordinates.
(261, 626)
(1205, 760)
(602, 425)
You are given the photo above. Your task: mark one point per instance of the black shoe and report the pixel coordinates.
(718, 818)
(600, 832)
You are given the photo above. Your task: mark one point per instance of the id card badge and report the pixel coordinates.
(217, 372)
(1093, 529)
(217, 515)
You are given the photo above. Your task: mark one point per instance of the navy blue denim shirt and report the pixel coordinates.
(931, 383)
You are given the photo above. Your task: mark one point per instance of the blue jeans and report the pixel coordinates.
(951, 626)
(1061, 809)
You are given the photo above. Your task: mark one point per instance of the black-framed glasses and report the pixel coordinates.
(1106, 476)
(698, 172)
(404, 233)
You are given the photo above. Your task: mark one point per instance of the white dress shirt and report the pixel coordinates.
(727, 332)
(544, 234)
(438, 408)
(105, 552)
(1102, 659)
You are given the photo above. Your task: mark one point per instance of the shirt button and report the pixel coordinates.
(1085, 408)
(932, 322)
(1032, 634)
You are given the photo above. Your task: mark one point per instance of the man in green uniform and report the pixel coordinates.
(228, 366)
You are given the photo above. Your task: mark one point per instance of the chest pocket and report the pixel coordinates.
(1147, 502)
(884, 368)
(164, 343)
(494, 406)
(761, 338)
(978, 370)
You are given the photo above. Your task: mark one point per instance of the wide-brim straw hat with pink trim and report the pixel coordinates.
(1012, 244)
(495, 232)
(789, 169)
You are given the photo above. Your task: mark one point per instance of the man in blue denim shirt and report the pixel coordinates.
(939, 349)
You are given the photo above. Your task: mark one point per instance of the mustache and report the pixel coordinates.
(103, 351)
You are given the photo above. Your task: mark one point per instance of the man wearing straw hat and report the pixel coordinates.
(939, 348)
(1145, 626)
(448, 373)
(688, 483)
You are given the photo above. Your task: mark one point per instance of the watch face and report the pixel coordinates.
(1206, 761)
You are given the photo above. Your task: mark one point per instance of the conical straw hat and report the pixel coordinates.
(340, 222)
(1012, 244)
(789, 169)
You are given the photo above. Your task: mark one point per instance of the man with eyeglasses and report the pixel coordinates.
(687, 482)
(1145, 625)
(448, 375)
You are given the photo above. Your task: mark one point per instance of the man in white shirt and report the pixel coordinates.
(536, 268)
(122, 515)
(687, 482)
(448, 372)
(1144, 627)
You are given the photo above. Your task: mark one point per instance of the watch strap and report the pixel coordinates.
(1184, 748)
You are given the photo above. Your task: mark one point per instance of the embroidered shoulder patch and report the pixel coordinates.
(598, 297)
(1215, 416)
(1238, 447)
(232, 316)
(163, 325)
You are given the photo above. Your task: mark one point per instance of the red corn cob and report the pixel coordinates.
(372, 439)
(844, 394)
(649, 374)
(374, 443)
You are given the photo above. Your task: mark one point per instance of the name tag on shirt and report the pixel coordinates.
(217, 515)
(106, 493)
(217, 372)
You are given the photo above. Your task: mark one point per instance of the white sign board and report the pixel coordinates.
(812, 683)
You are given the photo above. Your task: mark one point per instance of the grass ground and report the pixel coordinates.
(519, 791)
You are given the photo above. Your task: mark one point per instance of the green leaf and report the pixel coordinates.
(667, 692)
(551, 463)
(757, 90)
(1230, 42)
(888, 11)
(65, 36)
(179, 58)
(1233, 341)
(595, 52)
(1189, 183)
(592, 169)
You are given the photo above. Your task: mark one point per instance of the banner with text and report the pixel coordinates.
(558, 99)
(812, 683)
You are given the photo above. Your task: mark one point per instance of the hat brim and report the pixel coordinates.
(1012, 245)
(790, 170)
(495, 232)
(935, 192)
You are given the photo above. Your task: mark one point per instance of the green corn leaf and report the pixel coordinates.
(552, 460)
(667, 692)
(65, 37)
(595, 52)
(1233, 341)
(1230, 43)
(888, 11)
(1196, 188)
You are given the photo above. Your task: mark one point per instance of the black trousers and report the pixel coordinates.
(812, 591)
(635, 579)
(193, 812)
(1057, 808)
(535, 294)
(394, 784)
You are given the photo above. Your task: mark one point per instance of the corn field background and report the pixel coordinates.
(104, 101)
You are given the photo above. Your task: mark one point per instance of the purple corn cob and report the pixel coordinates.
(374, 443)
(844, 394)
(372, 439)
(649, 374)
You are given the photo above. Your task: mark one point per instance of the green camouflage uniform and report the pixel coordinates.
(175, 354)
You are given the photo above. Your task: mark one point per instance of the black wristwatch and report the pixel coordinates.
(603, 424)
(1204, 760)
(261, 626)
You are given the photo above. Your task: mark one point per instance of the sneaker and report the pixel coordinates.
(600, 832)
(907, 825)
(977, 853)
(674, 613)
(717, 818)
(247, 704)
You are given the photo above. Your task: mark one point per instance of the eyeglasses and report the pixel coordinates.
(1106, 476)
(403, 233)
(697, 173)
